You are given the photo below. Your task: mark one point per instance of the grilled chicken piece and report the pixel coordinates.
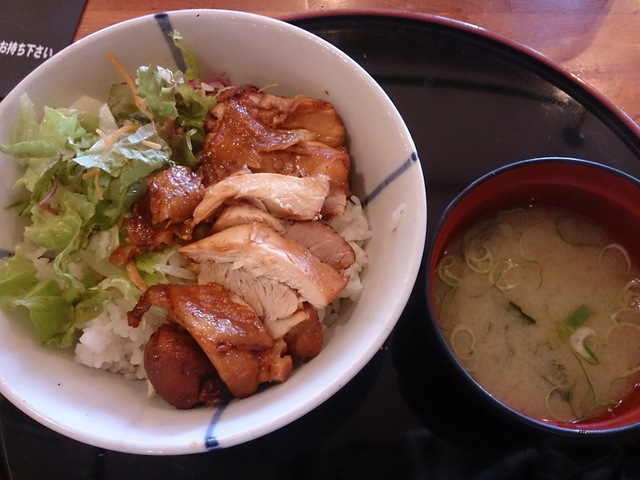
(265, 133)
(242, 214)
(268, 298)
(264, 253)
(173, 194)
(315, 158)
(230, 333)
(281, 195)
(275, 111)
(159, 216)
(279, 306)
(304, 340)
(143, 235)
(179, 370)
(302, 112)
(278, 327)
(237, 139)
(321, 239)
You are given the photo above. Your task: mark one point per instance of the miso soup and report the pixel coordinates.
(543, 310)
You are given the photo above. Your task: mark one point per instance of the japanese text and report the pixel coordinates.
(22, 49)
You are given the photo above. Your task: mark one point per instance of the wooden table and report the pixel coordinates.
(596, 40)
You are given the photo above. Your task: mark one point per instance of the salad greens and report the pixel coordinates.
(84, 167)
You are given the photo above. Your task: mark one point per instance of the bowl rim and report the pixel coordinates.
(464, 379)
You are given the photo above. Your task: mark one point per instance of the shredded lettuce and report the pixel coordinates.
(122, 106)
(120, 169)
(51, 315)
(192, 70)
(27, 123)
(84, 167)
(177, 103)
(17, 275)
(146, 266)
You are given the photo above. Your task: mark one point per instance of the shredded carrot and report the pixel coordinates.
(95, 174)
(108, 141)
(96, 183)
(134, 275)
(127, 78)
(89, 173)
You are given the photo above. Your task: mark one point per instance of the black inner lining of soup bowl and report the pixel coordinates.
(472, 103)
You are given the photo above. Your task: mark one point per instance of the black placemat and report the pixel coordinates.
(32, 31)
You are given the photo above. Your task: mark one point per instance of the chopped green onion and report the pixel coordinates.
(479, 264)
(576, 318)
(578, 345)
(464, 353)
(610, 263)
(445, 271)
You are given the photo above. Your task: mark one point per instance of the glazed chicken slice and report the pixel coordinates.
(278, 305)
(173, 194)
(296, 112)
(314, 158)
(281, 195)
(236, 138)
(264, 253)
(304, 112)
(265, 133)
(319, 238)
(301, 112)
(159, 216)
(243, 213)
(230, 333)
(322, 241)
(268, 298)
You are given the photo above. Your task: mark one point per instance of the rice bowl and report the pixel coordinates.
(103, 409)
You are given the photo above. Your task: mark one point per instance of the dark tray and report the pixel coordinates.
(472, 102)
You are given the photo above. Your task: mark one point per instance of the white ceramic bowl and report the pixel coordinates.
(108, 411)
